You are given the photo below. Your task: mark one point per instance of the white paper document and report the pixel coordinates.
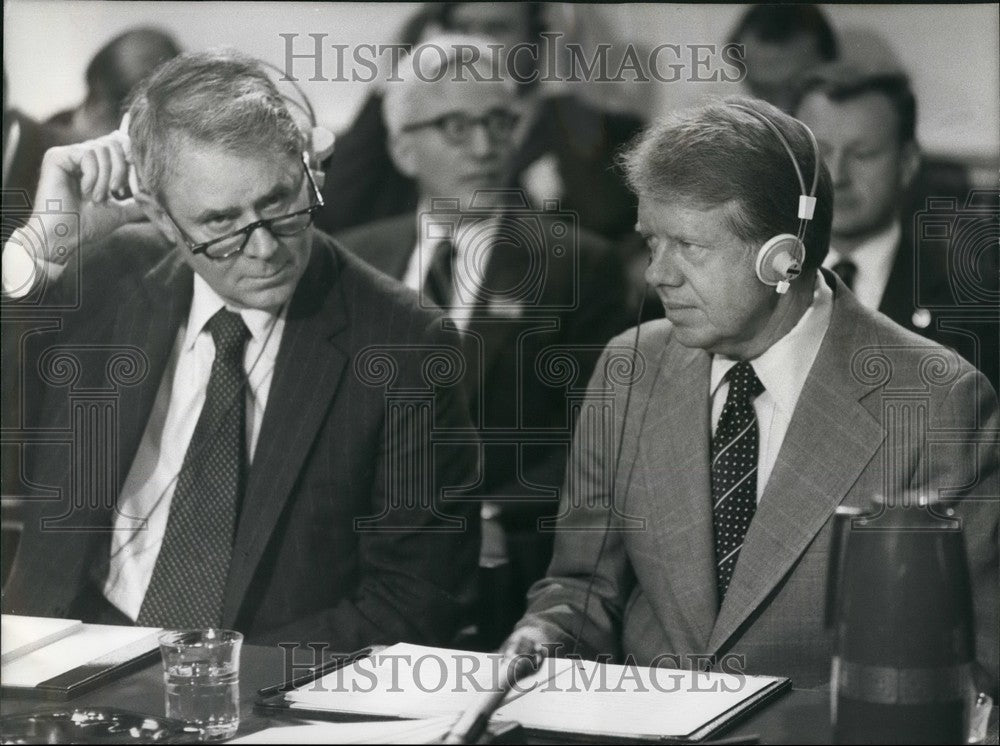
(413, 681)
(631, 701)
(85, 644)
(19, 635)
(431, 730)
(564, 695)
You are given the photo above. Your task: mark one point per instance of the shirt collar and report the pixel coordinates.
(784, 366)
(205, 303)
(875, 251)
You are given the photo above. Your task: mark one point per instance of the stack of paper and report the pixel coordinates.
(19, 635)
(63, 658)
(564, 696)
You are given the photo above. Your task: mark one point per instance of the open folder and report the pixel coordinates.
(59, 659)
(565, 696)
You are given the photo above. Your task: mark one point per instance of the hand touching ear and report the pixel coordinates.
(77, 179)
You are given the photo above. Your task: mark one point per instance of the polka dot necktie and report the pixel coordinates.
(190, 573)
(734, 471)
(440, 283)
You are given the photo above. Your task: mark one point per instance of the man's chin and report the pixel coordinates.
(266, 297)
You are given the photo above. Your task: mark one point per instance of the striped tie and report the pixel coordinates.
(734, 471)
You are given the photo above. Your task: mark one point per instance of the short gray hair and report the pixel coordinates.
(430, 62)
(222, 98)
(720, 153)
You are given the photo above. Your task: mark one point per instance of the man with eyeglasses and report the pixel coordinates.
(256, 478)
(531, 294)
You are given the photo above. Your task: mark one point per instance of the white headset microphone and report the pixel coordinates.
(778, 262)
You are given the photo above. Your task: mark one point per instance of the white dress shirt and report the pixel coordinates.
(783, 369)
(873, 257)
(149, 487)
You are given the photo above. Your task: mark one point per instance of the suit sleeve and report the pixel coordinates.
(966, 470)
(589, 581)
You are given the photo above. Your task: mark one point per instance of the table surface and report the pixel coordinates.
(797, 717)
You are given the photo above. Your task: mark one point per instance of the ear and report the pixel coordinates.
(909, 164)
(156, 215)
(403, 154)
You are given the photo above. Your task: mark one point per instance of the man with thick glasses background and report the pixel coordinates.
(533, 296)
(251, 478)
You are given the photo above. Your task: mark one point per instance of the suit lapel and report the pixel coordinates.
(306, 377)
(678, 491)
(810, 478)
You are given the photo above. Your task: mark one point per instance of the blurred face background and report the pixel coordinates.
(870, 168)
(449, 167)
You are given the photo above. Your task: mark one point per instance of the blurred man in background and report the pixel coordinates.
(565, 147)
(866, 126)
(781, 42)
(520, 283)
(111, 75)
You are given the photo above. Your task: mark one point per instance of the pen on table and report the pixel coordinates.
(474, 721)
(316, 672)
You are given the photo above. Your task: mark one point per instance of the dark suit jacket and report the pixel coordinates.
(306, 566)
(655, 587)
(363, 185)
(514, 352)
(951, 285)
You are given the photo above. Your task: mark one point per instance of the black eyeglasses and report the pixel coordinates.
(456, 127)
(282, 226)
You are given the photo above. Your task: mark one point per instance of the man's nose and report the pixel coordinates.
(662, 270)
(262, 244)
(480, 143)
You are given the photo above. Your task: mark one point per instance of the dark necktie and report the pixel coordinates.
(190, 573)
(845, 269)
(734, 471)
(440, 283)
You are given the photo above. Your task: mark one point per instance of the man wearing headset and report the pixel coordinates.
(753, 411)
(252, 462)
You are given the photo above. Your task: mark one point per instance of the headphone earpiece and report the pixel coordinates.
(779, 261)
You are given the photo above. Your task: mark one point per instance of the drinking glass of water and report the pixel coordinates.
(201, 675)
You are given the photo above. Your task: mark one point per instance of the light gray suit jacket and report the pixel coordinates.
(654, 587)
